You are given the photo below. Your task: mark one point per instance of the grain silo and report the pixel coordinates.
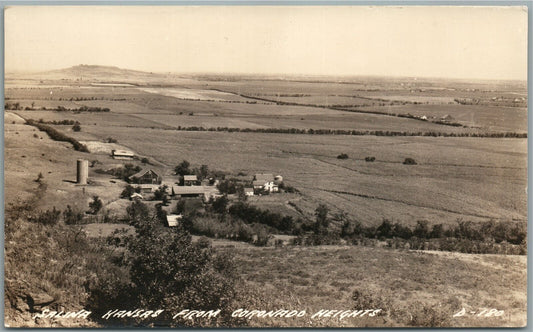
(83, 171)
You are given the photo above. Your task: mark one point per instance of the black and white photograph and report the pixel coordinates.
(265, 166)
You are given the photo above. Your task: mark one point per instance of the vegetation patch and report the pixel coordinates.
(57, 136)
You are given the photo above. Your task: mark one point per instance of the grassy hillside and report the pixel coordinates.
(413, 288)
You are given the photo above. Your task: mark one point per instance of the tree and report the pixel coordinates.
(422, 229)
(137, 212)
(167, 270)
(96, 205)
(227, 187)
(385, 229)
(183, 168)
(180, 207)
(203, 172)
(322, 221)
(127, 192)
(76, 127)
(161, 193)
(220, 205)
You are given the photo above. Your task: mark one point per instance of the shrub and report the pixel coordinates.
(342, 156)
(409, 161)
(370, 159)
(76, 127)
(96, 205)
(48, 217)
(39, 177)
(72, 217)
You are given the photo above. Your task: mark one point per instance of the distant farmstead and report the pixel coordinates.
(146, 176)
(122, 154)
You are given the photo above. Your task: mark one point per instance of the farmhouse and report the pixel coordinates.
(190, 180)
(122, 154)
(173, 219)
(265, 182)
(146, 176)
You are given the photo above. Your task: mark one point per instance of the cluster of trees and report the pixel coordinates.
(61, 122)
(70, 215)
(251, 214)
(82, 109)
(202, 172)
(466, 236)
(155, 268)
(122, 172)
(165, 269)
(12, 106)
(356, 132)
(57, 136)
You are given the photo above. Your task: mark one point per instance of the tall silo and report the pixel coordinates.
(83, 171)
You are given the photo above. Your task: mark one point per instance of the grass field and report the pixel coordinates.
(455, 177)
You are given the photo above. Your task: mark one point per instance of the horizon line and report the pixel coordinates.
(285, 75)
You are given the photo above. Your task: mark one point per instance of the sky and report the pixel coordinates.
(453, 42)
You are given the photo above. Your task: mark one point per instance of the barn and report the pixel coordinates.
(146, 176)
(122, 154)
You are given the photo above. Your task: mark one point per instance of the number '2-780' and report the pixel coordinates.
(482, 313)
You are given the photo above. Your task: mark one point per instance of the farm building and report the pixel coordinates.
(173, 219)
(190, 180)
(148, 188)
(146, 176)
(249, 191)
(264, 182)
(206, 192)
(122, 154)
(447, 117)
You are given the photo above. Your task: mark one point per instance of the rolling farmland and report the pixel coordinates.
(241, 126)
